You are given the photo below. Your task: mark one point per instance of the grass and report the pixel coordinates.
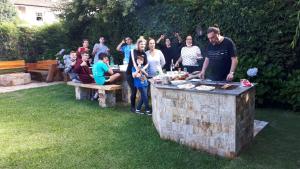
(48, 128)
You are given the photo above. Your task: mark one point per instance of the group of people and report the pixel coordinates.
(221, 59)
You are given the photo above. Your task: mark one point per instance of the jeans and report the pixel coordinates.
(144, 98)
(133, 90)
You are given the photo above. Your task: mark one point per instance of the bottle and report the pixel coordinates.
(157, 73)
(172, 65)
(185, 70)
(111, 59)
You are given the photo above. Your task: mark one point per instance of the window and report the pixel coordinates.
(39, 16)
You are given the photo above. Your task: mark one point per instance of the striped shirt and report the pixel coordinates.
(189, 55)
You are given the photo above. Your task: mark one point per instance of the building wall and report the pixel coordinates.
(36, 15)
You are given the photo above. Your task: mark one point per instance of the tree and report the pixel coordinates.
(7, 11)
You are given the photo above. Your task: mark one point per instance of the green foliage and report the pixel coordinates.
(291, 90)
(8, 40)
(7, 11)
(31, 44)
(49, 40)
(297, 34)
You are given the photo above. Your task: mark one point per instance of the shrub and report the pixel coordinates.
(290, 91)
(8, 41)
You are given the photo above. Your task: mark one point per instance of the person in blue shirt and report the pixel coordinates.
(101, 68)
(141, 83)
(125, 49)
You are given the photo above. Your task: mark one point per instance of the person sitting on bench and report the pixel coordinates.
(101, 68)
(82, 68)
(70, 61)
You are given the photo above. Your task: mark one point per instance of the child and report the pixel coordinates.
(82, 67)
(70, 61)
(141, 83)
(102, 67)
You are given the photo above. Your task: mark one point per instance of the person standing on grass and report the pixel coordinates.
(82, 68)
(125, 47)
(156, 59)
(84, 48)
(101, 68)
(99, 48)
(139, 51)
(221, 57)
(190, 54)
(170, 51)
(141, 83)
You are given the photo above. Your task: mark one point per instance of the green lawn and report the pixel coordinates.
(48, 128)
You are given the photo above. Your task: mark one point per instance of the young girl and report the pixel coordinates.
(141, 83)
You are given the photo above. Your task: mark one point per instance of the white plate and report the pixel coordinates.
(186, 86)
(196, 80)
(178, 82)
(205, 88)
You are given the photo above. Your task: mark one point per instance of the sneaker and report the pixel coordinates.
(95, 97)
(148, 112)
(138, 111)
(76, 81)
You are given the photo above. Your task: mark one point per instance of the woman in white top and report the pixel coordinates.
(155, 58)
(189, 56)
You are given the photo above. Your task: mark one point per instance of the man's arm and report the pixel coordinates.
(144, 72)
(178, 61)
(162, 59)
(110, 71)
(120, 45)
(160, 38)
(234, 62)
(204, 67)
(178, 37)
(95, 49)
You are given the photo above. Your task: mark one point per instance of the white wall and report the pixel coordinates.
(30, 16)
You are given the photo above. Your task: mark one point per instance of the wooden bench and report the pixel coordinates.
(12, 66)
(109, 95)
(8, 75)
(44, 70)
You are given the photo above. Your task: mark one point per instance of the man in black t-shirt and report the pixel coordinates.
(221, 59)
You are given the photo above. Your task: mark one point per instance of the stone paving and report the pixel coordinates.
(258, 126)
(34, 84)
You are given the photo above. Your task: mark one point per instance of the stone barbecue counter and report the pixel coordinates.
(220, 121)
(235, 88)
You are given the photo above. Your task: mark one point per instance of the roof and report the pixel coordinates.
(38, 3)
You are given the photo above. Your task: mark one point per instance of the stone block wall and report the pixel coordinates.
(14, 79)
(218, 124)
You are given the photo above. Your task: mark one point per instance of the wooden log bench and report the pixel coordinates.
(12, 73)
(109, 95)
(44, 70)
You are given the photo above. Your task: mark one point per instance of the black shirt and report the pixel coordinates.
(136, 53)
(170, 53)
(219, 56)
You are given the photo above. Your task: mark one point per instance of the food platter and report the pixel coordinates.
(186, 86)
(178, 82)
(205, 88)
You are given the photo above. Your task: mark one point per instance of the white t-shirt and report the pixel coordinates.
(189, 55)
(155, 62)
